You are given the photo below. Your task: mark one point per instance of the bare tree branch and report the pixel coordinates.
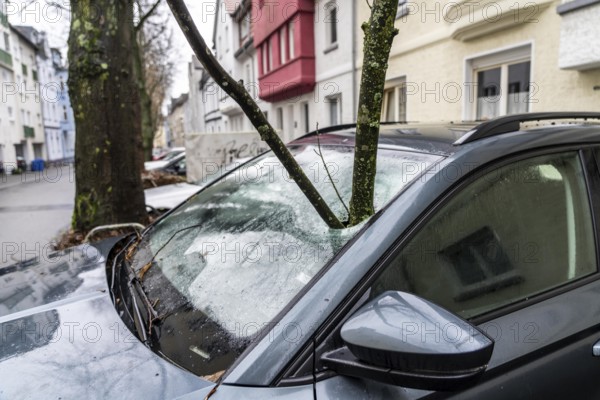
(148, 14)
(252, 111)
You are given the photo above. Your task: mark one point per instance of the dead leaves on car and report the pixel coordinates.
(143, 270)
(214, 377)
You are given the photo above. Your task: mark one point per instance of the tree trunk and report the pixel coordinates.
(104, 94)
(147, 125)
(379, 33)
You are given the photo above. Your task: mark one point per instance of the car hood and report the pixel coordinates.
(61, 337)
(169, 196)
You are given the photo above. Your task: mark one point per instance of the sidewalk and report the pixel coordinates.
(51, 174)
(34, 208)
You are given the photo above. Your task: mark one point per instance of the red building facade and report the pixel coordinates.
(284, 38)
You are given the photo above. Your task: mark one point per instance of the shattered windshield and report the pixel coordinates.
(223, 264)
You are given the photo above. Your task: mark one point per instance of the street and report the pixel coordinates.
(34, 208)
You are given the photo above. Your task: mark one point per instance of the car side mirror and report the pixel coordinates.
(401, 339)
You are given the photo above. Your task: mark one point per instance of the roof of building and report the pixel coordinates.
(178, 102)
(26, 33)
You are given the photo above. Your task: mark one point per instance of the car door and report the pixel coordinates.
(512, 250)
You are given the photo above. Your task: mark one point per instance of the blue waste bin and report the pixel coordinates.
(37, 165)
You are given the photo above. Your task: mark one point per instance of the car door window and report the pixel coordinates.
(511, 234)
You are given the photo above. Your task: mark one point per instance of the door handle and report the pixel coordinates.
(596, 349)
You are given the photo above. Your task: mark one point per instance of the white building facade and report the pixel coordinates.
(28, 136)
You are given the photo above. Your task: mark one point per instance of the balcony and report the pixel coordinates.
(286, 52)
(290, 80)
(6, 58)
(28, 131)
(579, 32)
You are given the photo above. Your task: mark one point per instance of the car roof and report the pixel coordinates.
(447, 138)
(420, 137)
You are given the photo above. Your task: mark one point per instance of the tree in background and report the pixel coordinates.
(104, 94)
(153, 67)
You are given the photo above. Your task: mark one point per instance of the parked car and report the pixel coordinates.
(163, 198)
(165, 159)
(477, 278)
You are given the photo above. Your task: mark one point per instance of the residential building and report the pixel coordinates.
(49, 86)
(196, 75)
(27, 135)
(475, 61)
(8, 106)
(67, 119)
(176, 121)
(291, 57)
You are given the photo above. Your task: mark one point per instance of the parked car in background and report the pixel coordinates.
(477, 278)
(163, 198)
(164, 159)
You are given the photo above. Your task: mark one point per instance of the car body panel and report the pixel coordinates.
(57, 320)
(223, 392)
(51, 323)
(275, 351)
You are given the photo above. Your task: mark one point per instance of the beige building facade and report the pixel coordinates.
(478, 60)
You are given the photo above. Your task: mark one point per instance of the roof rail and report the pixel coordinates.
(512, 123)
(341, 127)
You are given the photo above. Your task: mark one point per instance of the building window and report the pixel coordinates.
(291, 47)
(305, 117)
(282, 40)
(402, 9)
(265, 64)
(331, 20)
(279, 118)
(497, 96)
(220, 48)
(393, 106)
(226, 39)
(501, 84)
(6, 42)
(334, 110)
(244, 28)
(270, 54)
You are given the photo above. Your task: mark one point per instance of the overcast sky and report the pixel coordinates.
(55, 22)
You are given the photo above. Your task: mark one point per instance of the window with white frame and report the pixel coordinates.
(393, 106)
(265, 63)
(270, 55)
(334, 110)
(291, 47)
(282, 42)
(305, 117)
(244, 28)
(501, 83)
(279, 118)
(331, 20)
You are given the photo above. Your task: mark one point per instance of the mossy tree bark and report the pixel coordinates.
(379, 34)
(238, 93)
(147, 127)
(103, 91)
